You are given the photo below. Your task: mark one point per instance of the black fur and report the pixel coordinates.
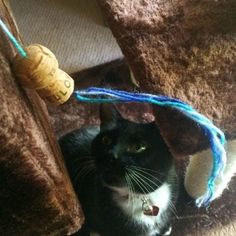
(111, 149)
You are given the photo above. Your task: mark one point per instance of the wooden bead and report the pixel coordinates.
(40, 71)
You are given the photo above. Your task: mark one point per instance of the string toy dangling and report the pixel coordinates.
(215, 135)
(36, 67)
(16, 44)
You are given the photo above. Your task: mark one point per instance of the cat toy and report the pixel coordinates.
(216, 136)
(36, 67)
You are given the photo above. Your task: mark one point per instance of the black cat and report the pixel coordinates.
(124, 176)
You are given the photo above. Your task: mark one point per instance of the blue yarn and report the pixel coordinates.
(215, 135)
(16, 44)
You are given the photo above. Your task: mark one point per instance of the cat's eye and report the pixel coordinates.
(137, 148)
(106, 140)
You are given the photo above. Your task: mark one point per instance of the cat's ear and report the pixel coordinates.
(109, 116)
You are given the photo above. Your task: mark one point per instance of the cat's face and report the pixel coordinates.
(129, 152)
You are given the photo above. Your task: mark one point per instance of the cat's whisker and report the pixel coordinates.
(85, 165)
(150, 188)
(172, 206)
(147, 169)
(173, 209)
(174, 212)
(83, 171)
(148, 178)
(142, 174)
(147, 186)
(145, 182)
(80, 173)
(146, 173)
(143, 168)
(129, 187)
(86, 173)
(133, 191)
(140, 184)
(82, 162)
(130, 184)
(131, 194)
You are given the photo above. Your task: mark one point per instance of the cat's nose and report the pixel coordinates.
(114, 154)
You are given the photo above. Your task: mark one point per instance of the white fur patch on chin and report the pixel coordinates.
(133, 205)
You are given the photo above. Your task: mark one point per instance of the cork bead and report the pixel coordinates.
(40, 71)
(60, 91)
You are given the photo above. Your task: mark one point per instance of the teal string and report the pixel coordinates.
(16, 44)
(215, 135)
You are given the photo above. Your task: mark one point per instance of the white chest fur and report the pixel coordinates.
(133, 205)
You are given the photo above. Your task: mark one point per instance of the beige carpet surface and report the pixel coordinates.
(73, 29)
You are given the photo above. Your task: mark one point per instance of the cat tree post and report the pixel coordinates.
(36, 195)
(183, 49)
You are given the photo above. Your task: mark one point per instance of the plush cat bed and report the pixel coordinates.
(173, 53)
(219, 219)
(183, 49)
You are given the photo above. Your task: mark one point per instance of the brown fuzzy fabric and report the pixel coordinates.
(183, 49)
(73, 114)
(218, 220)
(36, 195)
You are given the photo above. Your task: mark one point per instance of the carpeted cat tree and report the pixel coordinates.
(183, 49)
(36, 195)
